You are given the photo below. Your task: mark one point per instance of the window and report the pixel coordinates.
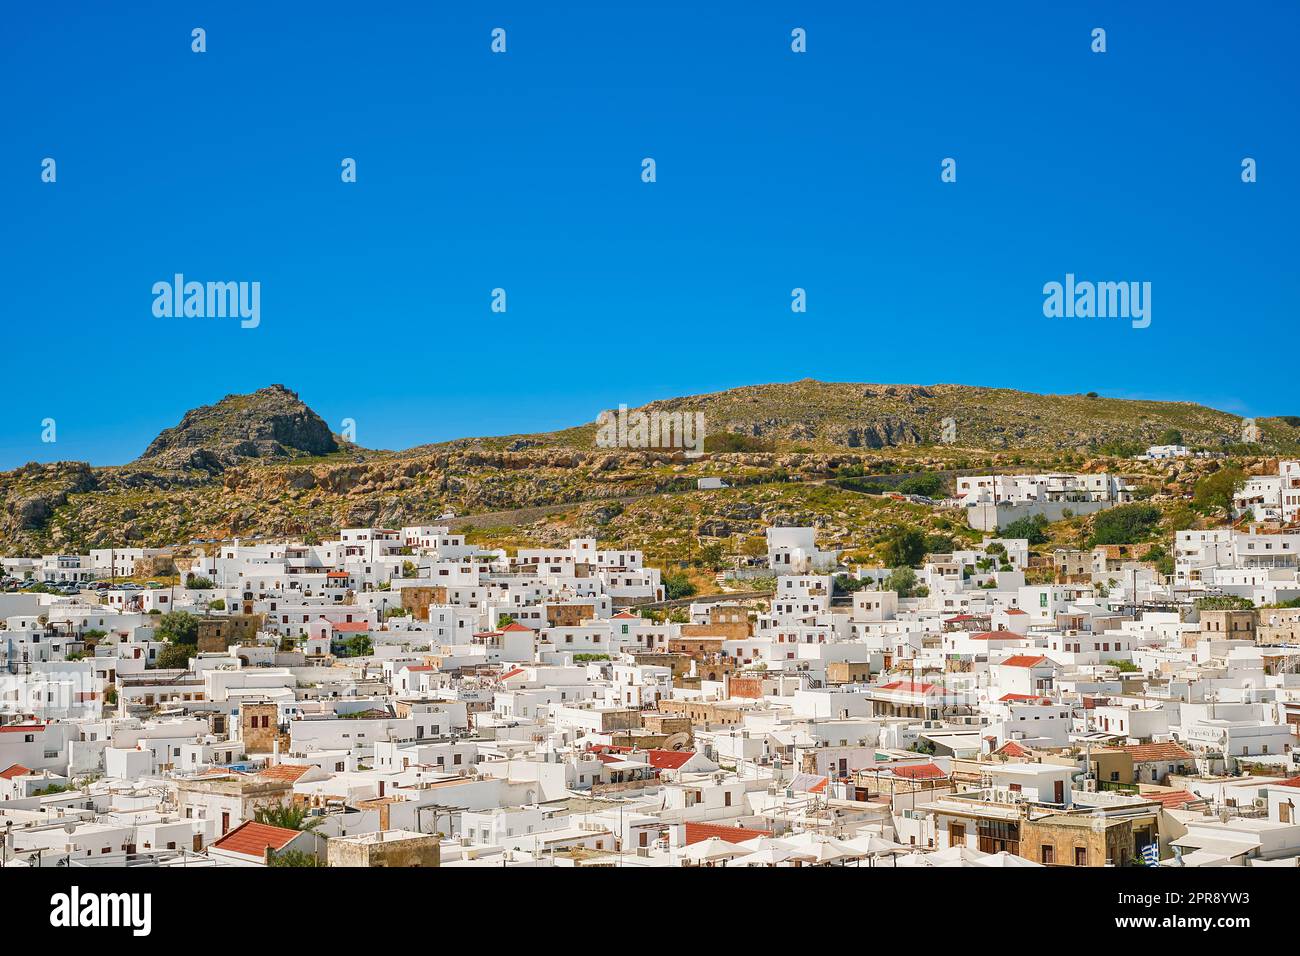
(1080, 856)
(1048, 854)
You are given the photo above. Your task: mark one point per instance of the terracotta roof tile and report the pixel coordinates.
(284, 771)
(15, 770)
(1022, 660)
(1173, 800)
(695, 832)
(909, 686)
(252, 839)
(20, 728)
(1142, 753)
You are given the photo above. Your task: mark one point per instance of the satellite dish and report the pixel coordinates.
(678, 741)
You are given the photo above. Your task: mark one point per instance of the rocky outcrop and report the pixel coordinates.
(271, 423)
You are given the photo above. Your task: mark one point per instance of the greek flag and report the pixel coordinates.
(1151, 854)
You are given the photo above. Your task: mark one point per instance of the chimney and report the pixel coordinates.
(275, 751)
(383, 817)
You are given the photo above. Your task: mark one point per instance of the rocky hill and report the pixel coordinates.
(271, 423)
(827, 416)
(266, 464)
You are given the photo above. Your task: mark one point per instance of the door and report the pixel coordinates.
(1060, 791)
(225, 822)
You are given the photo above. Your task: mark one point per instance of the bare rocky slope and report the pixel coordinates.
(265, 463)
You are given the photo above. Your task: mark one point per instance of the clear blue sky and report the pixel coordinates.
(775, 170)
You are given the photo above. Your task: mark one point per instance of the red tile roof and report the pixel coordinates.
(1015, 610)
(516, 626)
(910, 687)
(695, 832)
(252, 839)
(20, 728)
(1022, 660)
(1010, 698)
(351, 626)
(996, 636)
(1175, 799)
(15, 770)
(1293, 782)
(1143, 753)
(1012, 749)
(513, 672)
(659, 759)
(284, 771)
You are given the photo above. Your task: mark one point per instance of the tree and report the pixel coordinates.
(1218, 489)
(847, 584)
(199, 584)
(177, 627)
(1127, 524)
(711, 556)
(217, 604)
(1225, 602)
(1162, 559)
(287, 816)
(359, 645)
(902, 581)
(175, 656)
(677, 585)
(905, 548)
(1170, 436)
(939, 544)
(294, 858)
(928, 485)
(1030, 528)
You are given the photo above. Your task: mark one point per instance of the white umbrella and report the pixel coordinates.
(876, 846)
(760, 843)
(810, 840)
(712, 850)
(824, 853)
(932, 859)
(1003, 859)
(771, 856)
(959, 854)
